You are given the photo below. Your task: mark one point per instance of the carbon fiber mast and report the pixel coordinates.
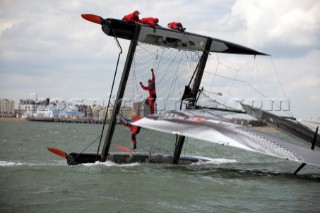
(193, 96)
(121, 90)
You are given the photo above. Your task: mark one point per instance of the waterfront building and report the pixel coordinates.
(96, 112)
(7, 107)
(137, 107)
(126, 112)
(89, 112)
(110, 110)
(142, 109)
(27, 108)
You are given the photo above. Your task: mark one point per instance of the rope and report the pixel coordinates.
(208, 96)
(195, 70)
(234, 79)
(214, 75)
(73, 160)
(114, 78)
(159, 60)
(289, 113)
(173, 59)
(173, 81)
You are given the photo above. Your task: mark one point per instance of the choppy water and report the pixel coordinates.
(34, 180)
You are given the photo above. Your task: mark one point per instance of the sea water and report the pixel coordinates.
(35, 180)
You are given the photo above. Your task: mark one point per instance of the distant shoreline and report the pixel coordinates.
(53, 120)
(75, 121)
(12, 119)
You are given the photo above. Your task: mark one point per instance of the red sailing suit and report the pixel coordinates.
(152, 92)
(176, 26)
(134, 130)
(153, 22)
(132, 17)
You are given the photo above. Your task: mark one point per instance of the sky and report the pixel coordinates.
(47, 49)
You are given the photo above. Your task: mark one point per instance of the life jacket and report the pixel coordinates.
(135, 129)
(153, 22)
(175, 25)
(131, 18)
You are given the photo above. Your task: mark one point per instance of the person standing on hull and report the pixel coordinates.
(150, 101)
(134, 129)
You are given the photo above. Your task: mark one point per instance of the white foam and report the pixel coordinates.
(111, 164)
(9, 163)
(12, 163)
(215, 161)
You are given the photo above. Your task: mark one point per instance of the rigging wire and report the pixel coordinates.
(233, 80)
(185, 147)
(194, 73)
(216, 101)
(73, 159)
(258, 76)
(241, 81)
(171, 90)
(214, 76)
(114, 78)
(257, 90)
(251, 80)
(274, 68)
(173, 59)
(159, 60)
(105, 118)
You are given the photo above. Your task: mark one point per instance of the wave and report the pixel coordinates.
(108, 163)
(214, 161)
(13, 163)
(111, 164)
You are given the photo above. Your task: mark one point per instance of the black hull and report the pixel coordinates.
(123, 158)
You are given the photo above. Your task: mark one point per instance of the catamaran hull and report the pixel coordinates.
(166, 37)
(136, 157)
(169, 38)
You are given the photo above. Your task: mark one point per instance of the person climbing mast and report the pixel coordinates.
(150, 101)
(134, 129)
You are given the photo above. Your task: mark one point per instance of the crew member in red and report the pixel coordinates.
(132, 17)
(152, 92)
(153, 22)
(134, 129)
(176, 26)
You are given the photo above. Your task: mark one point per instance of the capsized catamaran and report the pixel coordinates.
(193, 121)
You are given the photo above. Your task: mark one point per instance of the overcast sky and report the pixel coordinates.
(48, 49)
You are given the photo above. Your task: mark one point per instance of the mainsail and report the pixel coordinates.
(208, 125)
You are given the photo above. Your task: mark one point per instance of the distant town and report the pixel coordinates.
(60, 111)
(55, 111)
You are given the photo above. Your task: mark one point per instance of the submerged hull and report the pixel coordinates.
(136, 157)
